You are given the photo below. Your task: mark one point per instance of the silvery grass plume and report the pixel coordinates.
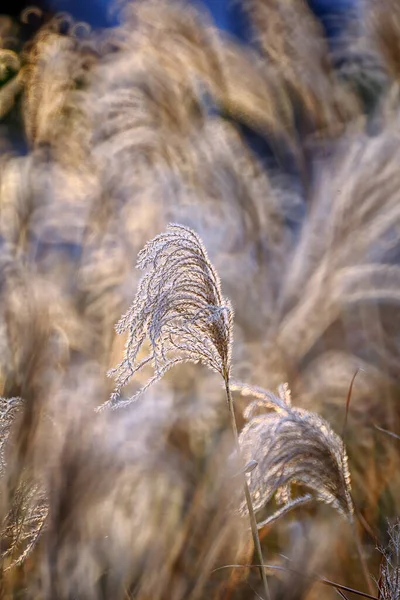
(382, 26)
(292, 40)
(174, 74)
(9, 408)
(56, 73)
(24, 524)
(247, 89)
(180, 310)
(389, 573)
(37, 331)
(183, 53)
(339, 299)
(292, 447)
(156, 105)
(24, 521)
(9, 87)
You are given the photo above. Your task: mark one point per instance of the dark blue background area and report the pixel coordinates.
(227, 14)
(333, 14)
(98, 13)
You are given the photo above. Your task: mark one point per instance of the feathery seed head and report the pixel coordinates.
(24, 522)
(179, 309)
(292, 446)
(9, 408)
(389, 580)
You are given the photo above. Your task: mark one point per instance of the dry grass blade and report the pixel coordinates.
(292, 446)
(391, 433)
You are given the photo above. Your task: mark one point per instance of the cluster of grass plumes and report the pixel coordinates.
(127, 502)
(126, 131)
(291, 38)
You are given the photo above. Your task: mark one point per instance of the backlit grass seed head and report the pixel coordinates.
(179, 309)
(389, 575)
(9, 408)
(292, 446)
(23, 524)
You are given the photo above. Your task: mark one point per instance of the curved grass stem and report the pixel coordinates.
(252, 517)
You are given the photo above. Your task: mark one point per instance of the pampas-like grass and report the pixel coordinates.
(9, 88)
(332, 309)
(23, 522)
(179, 308)
(9, 409)
(134, 128)
(55, 67)
(292, 446)
(382, 22)
(389, 576)
(123, 483)
(256, 96)
(291, 38)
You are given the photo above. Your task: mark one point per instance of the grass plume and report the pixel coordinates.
(292, 446)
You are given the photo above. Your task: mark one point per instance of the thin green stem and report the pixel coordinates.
(252, 517)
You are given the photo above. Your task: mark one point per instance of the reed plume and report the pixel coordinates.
(389, 575)
(292, 447)
(140, 126)
(22, 524)
(9, 408)
(180, 309)
(11, 78)
(381, 21)
(292, 40)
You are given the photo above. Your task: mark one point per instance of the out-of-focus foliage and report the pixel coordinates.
(148, 123)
